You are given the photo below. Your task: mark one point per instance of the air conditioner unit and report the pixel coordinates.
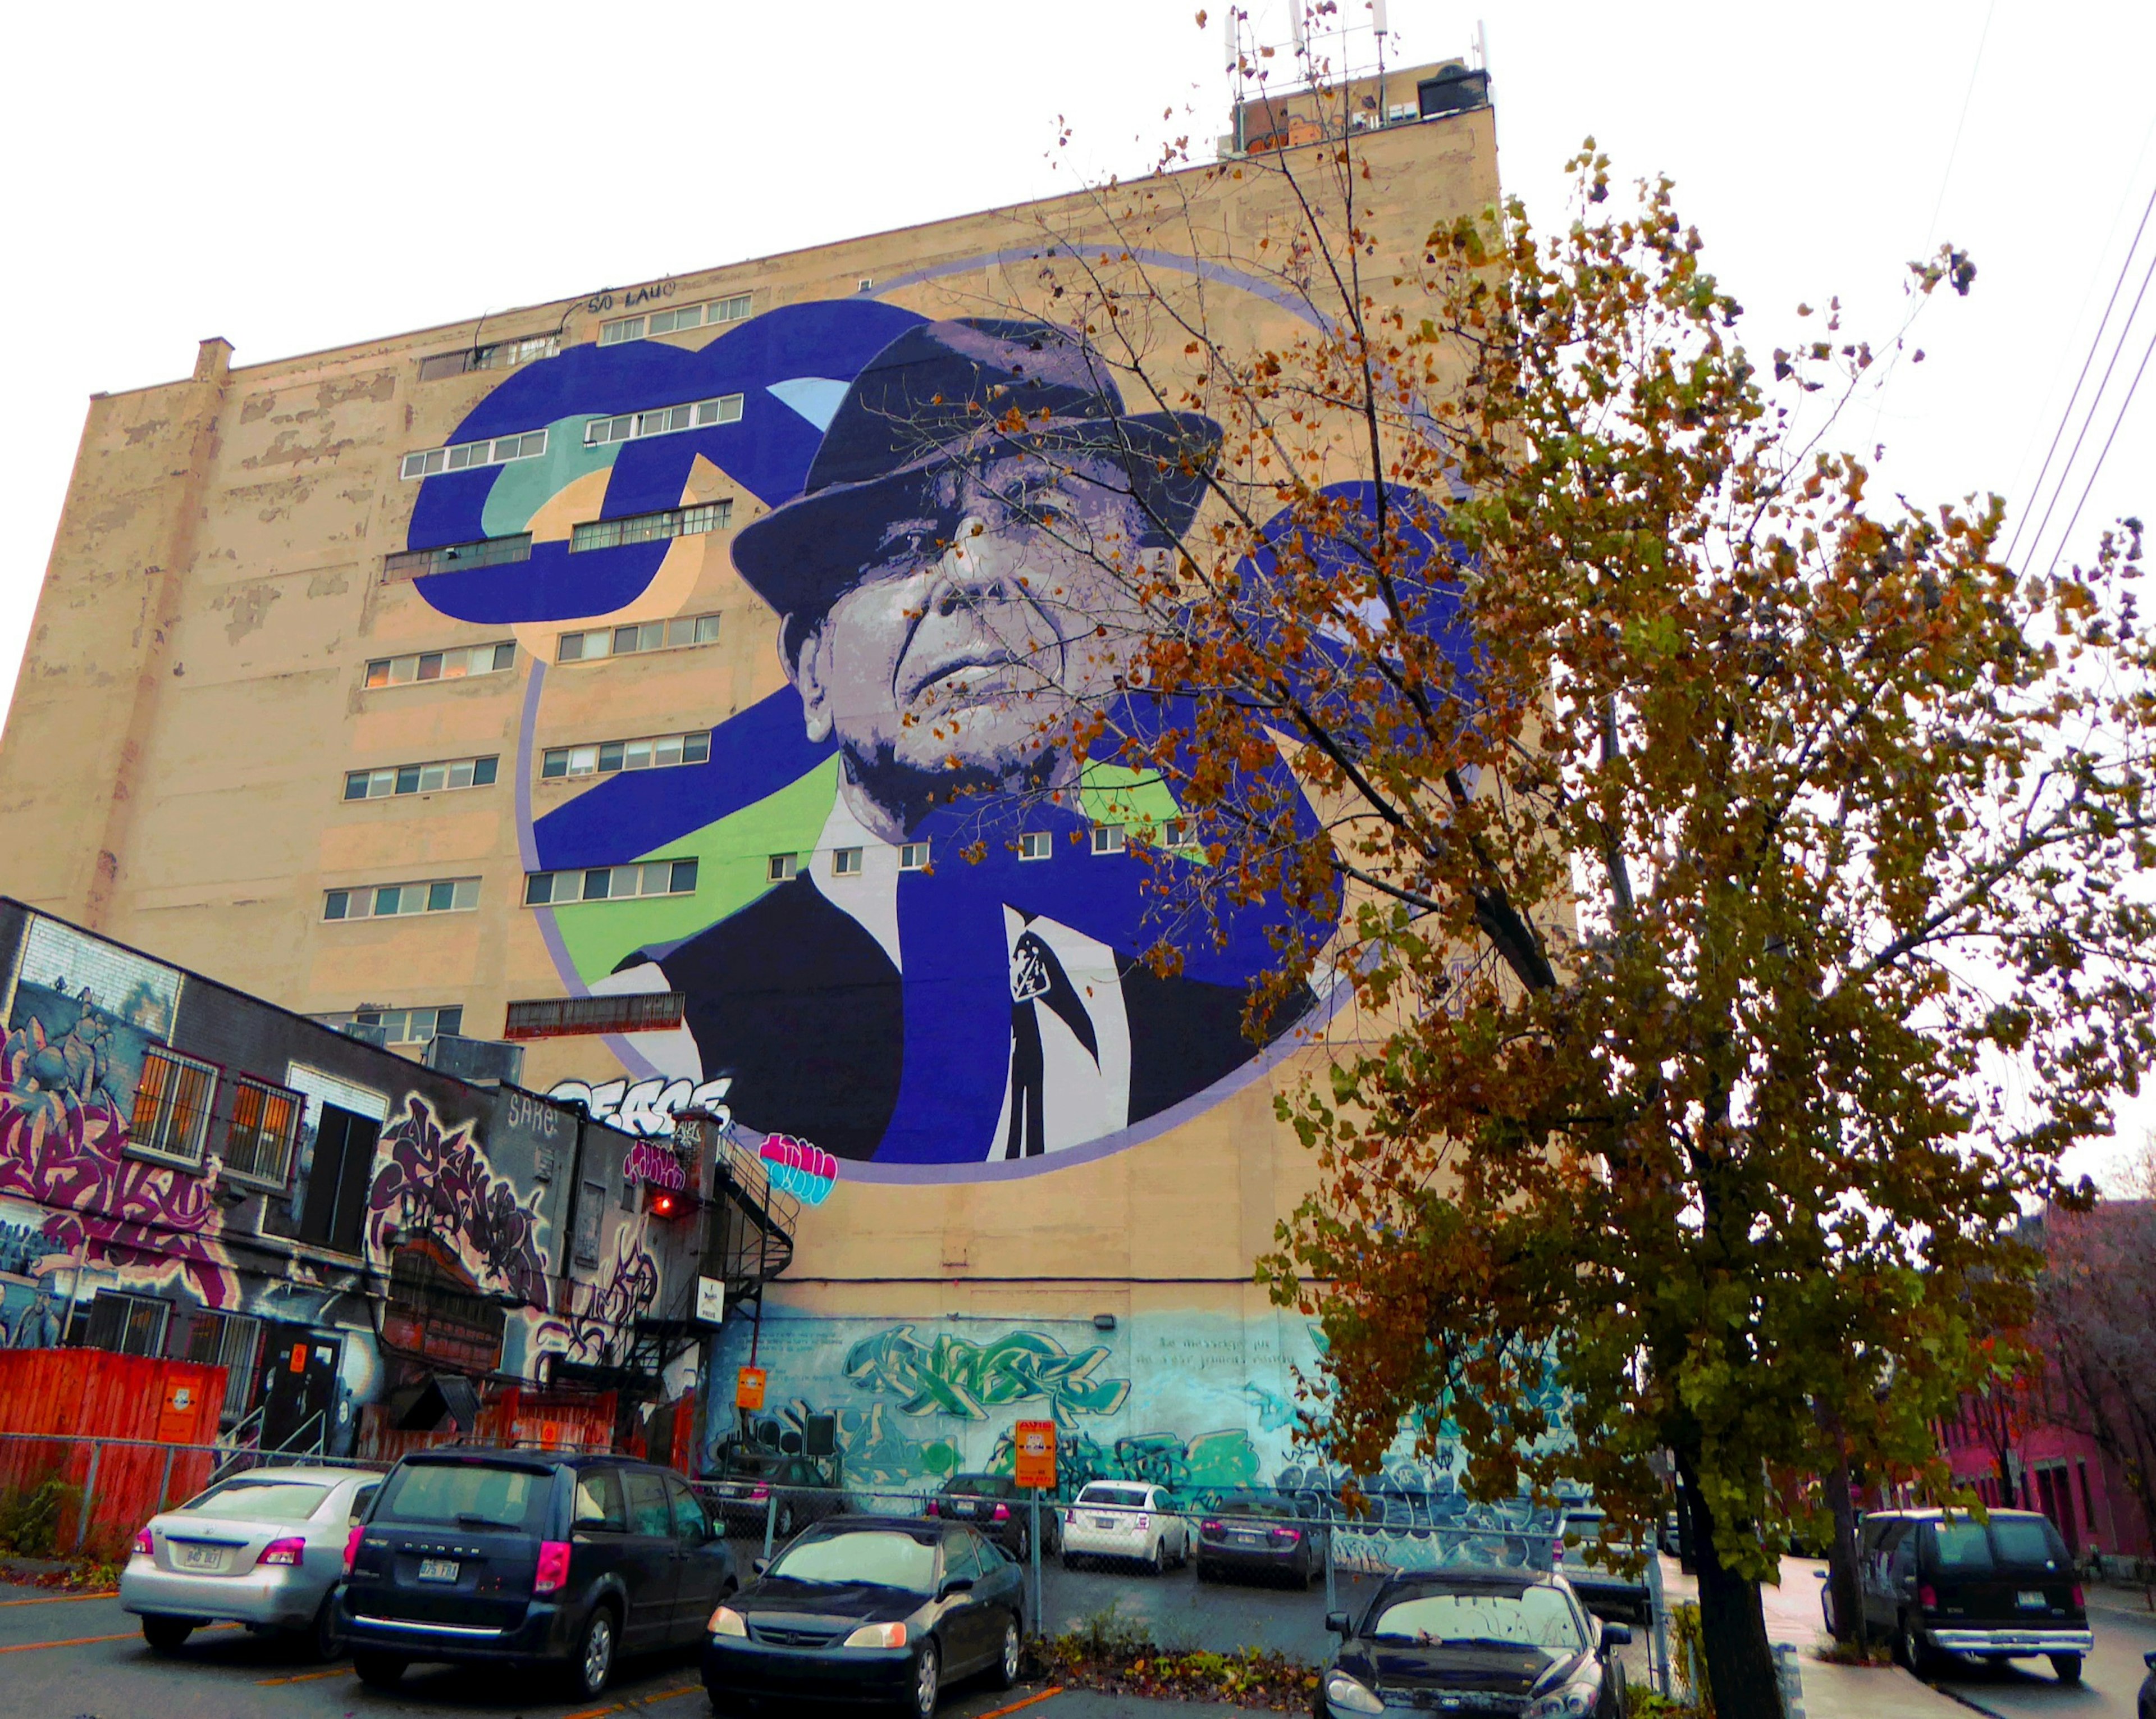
(481, 1059)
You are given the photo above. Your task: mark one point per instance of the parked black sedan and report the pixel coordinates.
(879, 1609)
(1515, 1640)
(1000, 1509)
(1259, 1534)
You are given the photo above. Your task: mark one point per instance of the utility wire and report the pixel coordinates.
(2095, 341)
(2124, 328)
(2142, 369)
(1954, 150)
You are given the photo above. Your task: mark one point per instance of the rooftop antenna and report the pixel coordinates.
(1481, 46)
(1295, 24)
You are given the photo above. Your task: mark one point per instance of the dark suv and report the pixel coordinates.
(1942, 1581)
(522, 1558)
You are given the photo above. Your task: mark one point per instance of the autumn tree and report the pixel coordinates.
(1705, 881)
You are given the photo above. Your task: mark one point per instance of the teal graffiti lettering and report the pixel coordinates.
(954, 1376)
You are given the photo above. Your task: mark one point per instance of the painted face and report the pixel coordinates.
(962, 657)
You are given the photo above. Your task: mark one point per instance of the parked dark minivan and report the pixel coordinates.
(1942, 1581)
(523, 1558)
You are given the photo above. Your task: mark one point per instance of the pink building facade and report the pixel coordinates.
(2055, 1470)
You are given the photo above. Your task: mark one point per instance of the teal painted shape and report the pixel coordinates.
(523, 486)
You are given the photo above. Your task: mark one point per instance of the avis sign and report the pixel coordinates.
(1034, 1443)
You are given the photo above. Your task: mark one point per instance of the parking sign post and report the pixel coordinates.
(1034, 1443)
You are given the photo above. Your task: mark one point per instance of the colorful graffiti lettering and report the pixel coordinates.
(805, 1172)
(437, 1183)
(607, 1320)
(956, 1376)
(655, 1165)
(650, 1106)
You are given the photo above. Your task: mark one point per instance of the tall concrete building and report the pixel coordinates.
(548, 678)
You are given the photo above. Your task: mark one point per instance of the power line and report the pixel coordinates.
(1954, 150)
(2095, 341)
(2139, 370)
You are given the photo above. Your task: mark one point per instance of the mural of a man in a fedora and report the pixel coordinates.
(950, 584)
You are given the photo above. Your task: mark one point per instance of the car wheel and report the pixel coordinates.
(1005, 1673)
(1024, 1543)
(1158, 1562)
(594, 1663)
(1908, 1649)
(2068, 1666)
(378, 1671)
(785, 1530)
(167, 1635)
(927, 1682)
(321, 1638)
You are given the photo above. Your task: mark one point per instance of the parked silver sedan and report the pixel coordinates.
(263, 1548)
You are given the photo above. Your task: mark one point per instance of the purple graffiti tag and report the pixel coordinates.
(432, 1182)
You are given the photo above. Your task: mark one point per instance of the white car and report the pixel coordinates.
(1125, 1519)
(263, 1548)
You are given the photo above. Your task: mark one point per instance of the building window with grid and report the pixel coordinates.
(846, 863)
(437, 895)
(782, 867)
(604, 757)
(233, 1342)
(441, 665)
(1107, 838)
(420, 778)
(499, 450)
(651, 527)
(500, 355)
(913, 856)
(610, 883)
(399, 1026)
(126, 1325)
(662, 420)
(1035, 845)
(258, 1143)
(456, 558)
(649, 635)
(171, 1118)
(675, 320)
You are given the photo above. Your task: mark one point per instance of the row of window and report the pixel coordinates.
(647, 635)
(651, 527)
(437, 895)
(174, 1101)
(662, 420)
(420, 778)
(399, 1026)
(611, 883)
(500, 355)
(659, 751)
(495, 450)
(441, 665)
(138, 1324)
(457, 557)
(913, 856)
(674, 320)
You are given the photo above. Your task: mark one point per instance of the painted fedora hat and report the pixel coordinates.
(942, 396)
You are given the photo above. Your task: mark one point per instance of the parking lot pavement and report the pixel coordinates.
(1176, 1610)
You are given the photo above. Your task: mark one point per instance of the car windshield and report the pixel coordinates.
(467, 1494)
(261, 1500)
(1124, 1497)
(1531, 1616)
(978, 1486)
(2026, 1542)
(879, 1558)
(1259, 1507)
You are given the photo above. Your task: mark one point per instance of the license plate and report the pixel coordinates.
(961, 1510)
(201, 1557)
(2030, 1599)
(1103, 1521)
(437, 1569)
(1249, 1540)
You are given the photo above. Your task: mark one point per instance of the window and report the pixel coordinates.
(453, 558)
(651, 527)
(389, 1027)
(501, 355)
(441, 665)
(172, 1106)
(663, 420)
(913, 856)
(647, 1504)
(233, 1342)
(651, 635)
(439, 895)
(846, 863)
(782, 867)
(1033, 845)
(420, 778)
(258, 1143)
(654, 753)
(565, 1016)
(598, 1501)
(500, 451)
(611, 883)
(336, 1205)
(674, 320)
(1107, 838)
(127, 1325)
(1174, 833)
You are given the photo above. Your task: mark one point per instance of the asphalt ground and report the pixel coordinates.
(2025, 1688)
(81, 1657)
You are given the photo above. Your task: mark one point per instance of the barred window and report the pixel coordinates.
(127, 1325)
(233, 1342)
(603, 757)
(647, 635)
(455, 558)
(651, 527)
(442, 664)
(565, 1016)
(675, 320)
(257, 1146)
(391, 1027)
(662, 420)
(610, 883)
(500, 355)
(496, 450)
(171, 1107)
(420, 778)
(437, 895)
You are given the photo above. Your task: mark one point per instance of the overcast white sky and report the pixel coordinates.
(293, 178)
